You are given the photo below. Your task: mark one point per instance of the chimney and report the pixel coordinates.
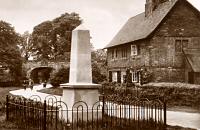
(151, 5)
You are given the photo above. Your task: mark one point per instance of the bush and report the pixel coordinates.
(62, 76)
(97, 76)
(176, 94)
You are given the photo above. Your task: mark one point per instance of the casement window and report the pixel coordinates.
(114, 76)
(124, 53)
(134, 50)
(116, 53)
(135, 76)
(180, 44)
(123, 77)
(113, 54)
(185, 43)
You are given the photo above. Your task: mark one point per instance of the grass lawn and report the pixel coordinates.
(53, 91)
(5, 91)
(5, 125)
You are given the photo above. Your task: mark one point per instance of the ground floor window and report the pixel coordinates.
(114, 76)
(123, 77)
(135, 76)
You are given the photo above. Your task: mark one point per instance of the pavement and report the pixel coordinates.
(28, 93)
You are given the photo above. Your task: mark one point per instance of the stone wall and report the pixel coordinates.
(31, 65)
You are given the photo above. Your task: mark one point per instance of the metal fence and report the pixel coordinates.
(110, 112)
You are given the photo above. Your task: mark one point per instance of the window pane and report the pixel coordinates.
(133, 50)
(134, 76)
(116, 51)
(178, 46)
(113, 54)
(114, 76)
(124, 53)
(185, 43)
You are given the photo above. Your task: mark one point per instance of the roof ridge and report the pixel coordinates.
(140, 27)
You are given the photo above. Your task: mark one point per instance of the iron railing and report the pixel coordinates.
(110, 112)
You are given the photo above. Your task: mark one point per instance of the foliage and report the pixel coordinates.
(110, 88)
(97, 76)
(10, 54)
(62, 76)
(99, 56)
(99, 66)
(146, 76)
(26, 45)
(128, 76)
(52, 39)
(184, 96)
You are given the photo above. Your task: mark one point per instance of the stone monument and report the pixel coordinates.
(80, 86)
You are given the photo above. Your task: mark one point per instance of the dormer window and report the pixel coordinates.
(134, 50)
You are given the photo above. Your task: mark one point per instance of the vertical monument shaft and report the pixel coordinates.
(80, 86)
(80, 62)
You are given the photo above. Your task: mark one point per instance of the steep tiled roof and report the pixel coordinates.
(140, 27)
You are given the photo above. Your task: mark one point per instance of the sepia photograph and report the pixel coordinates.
(99, 65)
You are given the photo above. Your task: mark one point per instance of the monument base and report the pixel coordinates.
(82, 100)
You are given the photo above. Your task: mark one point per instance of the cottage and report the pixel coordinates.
(164, 40)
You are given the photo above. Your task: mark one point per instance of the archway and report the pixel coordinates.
(40, 74)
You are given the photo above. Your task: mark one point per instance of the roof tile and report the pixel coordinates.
(140, 27)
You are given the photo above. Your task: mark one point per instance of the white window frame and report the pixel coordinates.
(114, 76)
(134, 50)
(135, 76)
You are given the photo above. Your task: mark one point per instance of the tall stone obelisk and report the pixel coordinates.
(80, 63)
(80, 86)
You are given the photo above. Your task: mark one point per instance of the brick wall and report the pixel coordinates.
(181, 21)
(157, 53)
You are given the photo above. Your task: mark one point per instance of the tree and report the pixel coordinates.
(10, 54)
(42, 40)
(99, 66)
(26, 45)
(52, 39)
(62, 76)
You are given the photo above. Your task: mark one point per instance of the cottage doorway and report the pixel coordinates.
(191, 77)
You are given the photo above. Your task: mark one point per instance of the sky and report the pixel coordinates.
(103, 18)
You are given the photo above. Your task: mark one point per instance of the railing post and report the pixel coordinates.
(165, 114)
(25, 112)
(45, 116)
(7, 107)
(103, 109)
(57, 117)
